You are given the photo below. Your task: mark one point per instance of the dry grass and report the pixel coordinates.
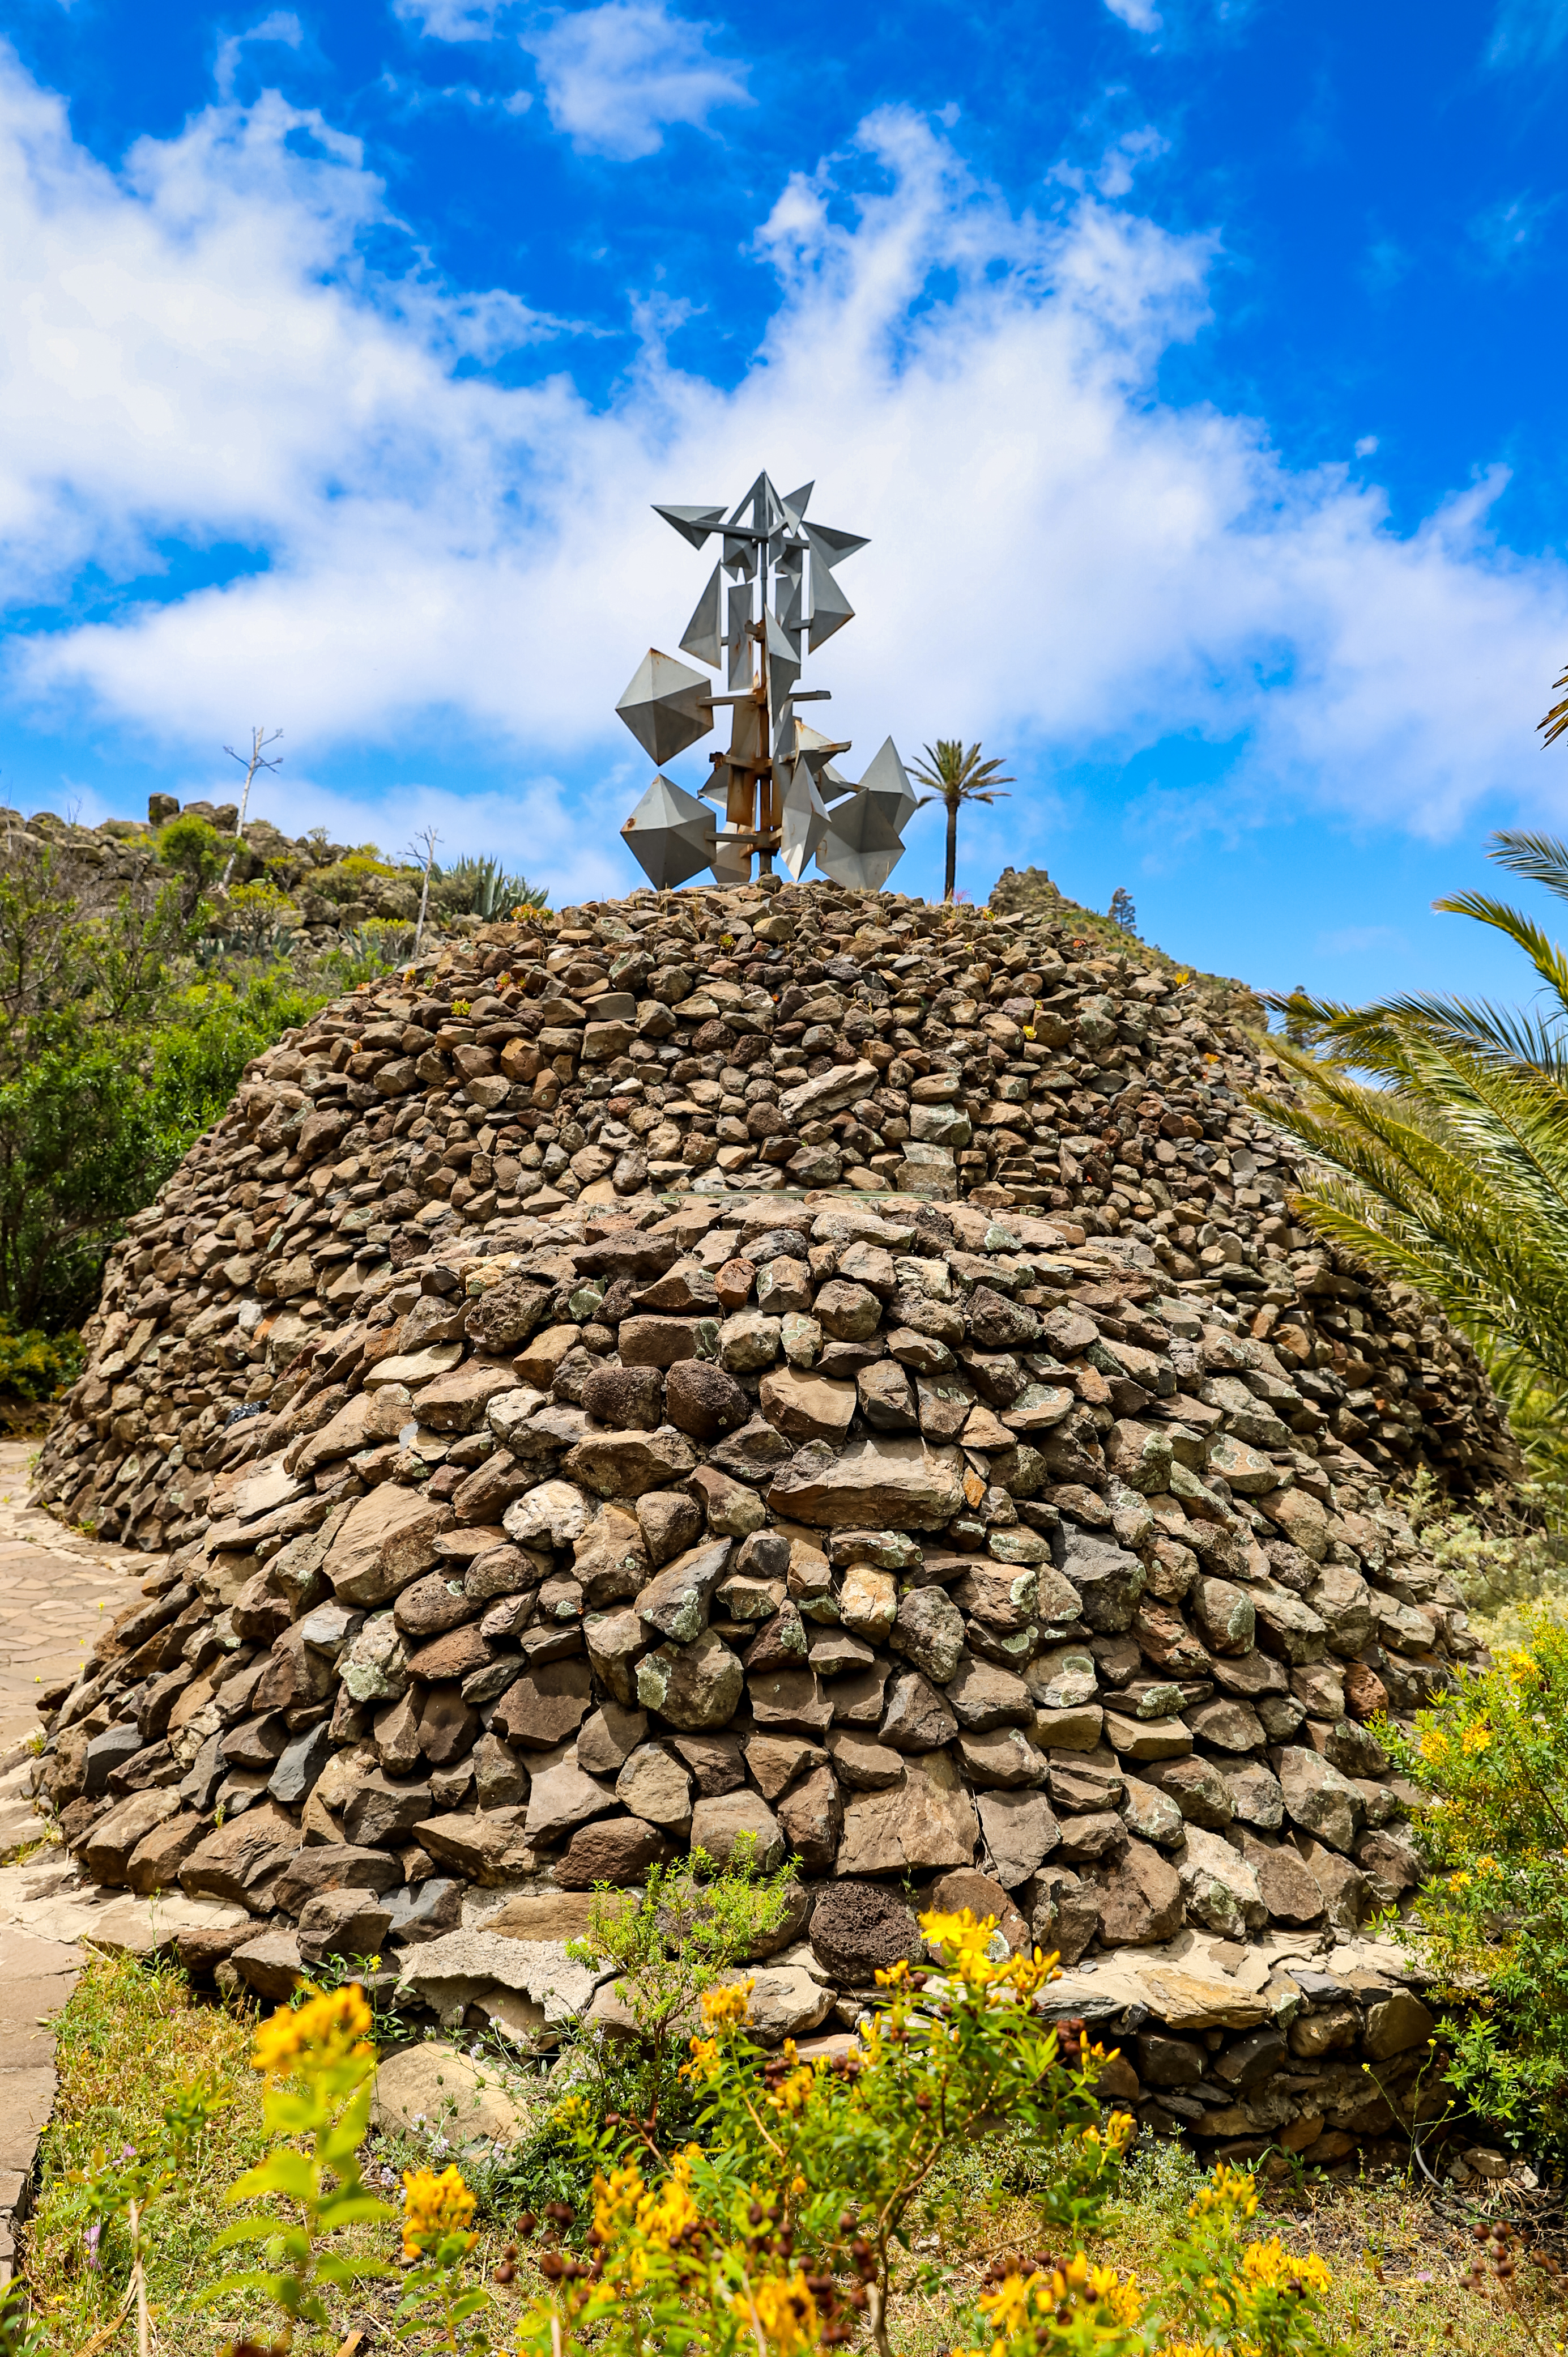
(129, 2034)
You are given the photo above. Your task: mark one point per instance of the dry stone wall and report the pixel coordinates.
(783, 1369)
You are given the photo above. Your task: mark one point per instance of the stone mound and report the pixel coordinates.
(594, 1414)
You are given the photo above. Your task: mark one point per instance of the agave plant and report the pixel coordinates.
(489, 890)
(1438, 1131)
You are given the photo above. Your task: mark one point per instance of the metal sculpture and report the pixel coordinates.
(777, 782)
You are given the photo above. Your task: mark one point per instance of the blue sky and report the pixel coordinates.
(1194, 368)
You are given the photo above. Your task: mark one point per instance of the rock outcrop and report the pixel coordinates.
(823, 1375)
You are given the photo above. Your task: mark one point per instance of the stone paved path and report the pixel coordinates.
(56, 1588)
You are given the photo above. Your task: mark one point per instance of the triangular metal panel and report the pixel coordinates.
(736, 638)
(705, 632)
(692, 523)
(833, 545)
(831, 610)
(888, 781)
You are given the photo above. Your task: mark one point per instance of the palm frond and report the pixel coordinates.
(1543, 858)
(1556, 720)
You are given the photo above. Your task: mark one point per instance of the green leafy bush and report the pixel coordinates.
(35, 1366)
(1492, 1918)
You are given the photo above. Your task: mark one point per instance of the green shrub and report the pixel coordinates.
(35, 1366)
(1492, 1917)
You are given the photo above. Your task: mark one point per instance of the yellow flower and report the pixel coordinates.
(1476, 1737)
(322, 2034)
(432, 2208)
(704, 2061)
(1268, 2267)
(1434, 1745)
(780, 2312)
(725, 2008)
(1228, 2188)
(1458, 1881)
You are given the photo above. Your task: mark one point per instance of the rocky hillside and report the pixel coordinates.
(333, 886)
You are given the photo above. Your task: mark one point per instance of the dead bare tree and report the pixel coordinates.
(422, 848)
(250, 762)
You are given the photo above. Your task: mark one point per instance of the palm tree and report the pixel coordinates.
(959, 777)
(1450, 1170)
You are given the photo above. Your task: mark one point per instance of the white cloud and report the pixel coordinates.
(450, 20)
(1141, 15)
(1528, 32)
(1062, 563)
(1505, 233)
(617, 75)
(282, 26)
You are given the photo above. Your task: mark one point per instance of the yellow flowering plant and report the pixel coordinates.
(785, 2230)
(317, 2062)
(436, 2236)
(1491, 1918)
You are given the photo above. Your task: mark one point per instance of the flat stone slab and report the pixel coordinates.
(32, 1901)
(461, 1968)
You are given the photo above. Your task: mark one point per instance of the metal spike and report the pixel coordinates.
(795, 501)
(692, 523)
(831, 544)
(803, 821)
(704, 636)
(736, 638)
(831, 610)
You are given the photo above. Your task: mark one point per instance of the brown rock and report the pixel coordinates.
(115, 1837)
(1289, 1892)
(387, 1539)
(929, 1821)
(243, 1860)
(917, 1717)
(617, 1850)
(738, 1818)
(607, 1740)
(691, 1686)
(628, 1399)
(546, 1706)
(624, 1464)
(156, 1859)
(1140, 1899)
(807, 1407)
(898, 1483)
(716, 1760)
(705, 1402)
(811, 1817)
(668, 1521)
(1365, 1693)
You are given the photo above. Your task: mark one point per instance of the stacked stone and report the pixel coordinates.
(901, 1538)
(597, 1397)
(867, 1043)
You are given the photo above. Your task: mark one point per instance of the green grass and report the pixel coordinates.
(129, 2032)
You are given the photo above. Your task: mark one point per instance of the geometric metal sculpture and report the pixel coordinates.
(772, 597)
(670, 834)
(665, 705)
